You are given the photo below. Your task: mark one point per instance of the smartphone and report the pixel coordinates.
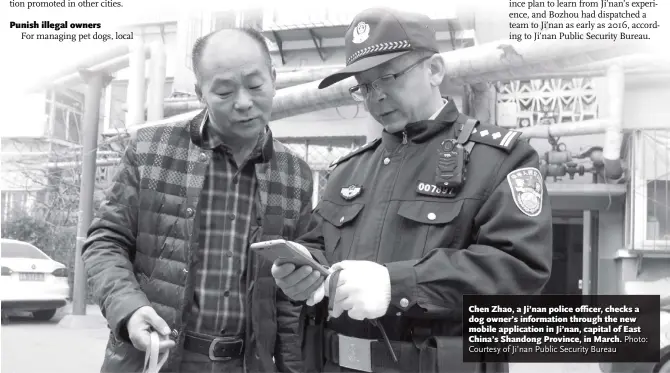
(282, 249)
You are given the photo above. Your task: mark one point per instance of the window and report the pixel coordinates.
(18, 249)
(658, 210)
(5, 205)
(15, 202)
(650, 190)
(64, 110)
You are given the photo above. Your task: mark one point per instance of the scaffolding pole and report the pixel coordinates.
(95, 84)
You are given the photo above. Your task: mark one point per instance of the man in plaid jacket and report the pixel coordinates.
(168, 249)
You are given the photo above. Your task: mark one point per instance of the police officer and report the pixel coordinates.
(438, 207)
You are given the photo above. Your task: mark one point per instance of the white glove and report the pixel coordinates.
(363, 289)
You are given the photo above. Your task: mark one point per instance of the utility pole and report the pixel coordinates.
(96, 82)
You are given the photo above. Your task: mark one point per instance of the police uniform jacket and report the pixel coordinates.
(381, 204)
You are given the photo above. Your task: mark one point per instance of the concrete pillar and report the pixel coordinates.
(156, 91)
(95, 84)
(136, 83)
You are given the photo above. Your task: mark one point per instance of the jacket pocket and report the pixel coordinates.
(264, 313)
(426, 225)
(123, 357)
(338, 227)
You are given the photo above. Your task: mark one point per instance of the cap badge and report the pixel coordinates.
(361, 32)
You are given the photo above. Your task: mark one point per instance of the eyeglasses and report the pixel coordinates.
(361, 91)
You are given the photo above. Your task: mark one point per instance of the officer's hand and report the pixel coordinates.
(142, 323)
(363, 289)
(297, 283)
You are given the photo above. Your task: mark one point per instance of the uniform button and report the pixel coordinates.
(174, 334)
(203, 157)
(431, 216)
(189, 212)
(342, 219)
(398, 314)
(404, 302)
(387, 161)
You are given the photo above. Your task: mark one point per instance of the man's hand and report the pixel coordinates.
(363, 289)
(142, 323)
(298, 284)
(320, 292)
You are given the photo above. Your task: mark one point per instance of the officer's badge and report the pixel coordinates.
(351, 192)
(361, 33)
(527, 190)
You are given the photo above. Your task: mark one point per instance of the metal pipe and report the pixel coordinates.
(633, 73)
(290, 79)
(156, 92)
(107, 67)
(614, 133)
(63, 154)
(284, 80)
(290, 69)
(99, 163)
(136, 83)
(587, 127)
(502, 60)
(634, 64)
(104, 162)
(464, 65)
(184, 105)
(96, 82)
(90, 60)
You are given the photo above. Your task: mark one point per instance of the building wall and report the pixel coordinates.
(610, 242)
(645, 106)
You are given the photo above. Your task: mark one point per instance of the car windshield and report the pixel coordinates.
(20, 250)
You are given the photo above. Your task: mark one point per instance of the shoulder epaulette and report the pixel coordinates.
(371, 145)
(495, 136)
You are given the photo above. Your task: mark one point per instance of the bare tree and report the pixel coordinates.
(51, 180)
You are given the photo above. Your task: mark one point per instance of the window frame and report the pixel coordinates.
(636, 218)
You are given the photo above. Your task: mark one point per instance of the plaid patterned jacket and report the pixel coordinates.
(139, 250)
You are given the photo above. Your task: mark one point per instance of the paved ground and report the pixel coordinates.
(29, 346)
(40, 347)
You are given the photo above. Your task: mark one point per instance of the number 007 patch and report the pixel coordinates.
(527, 190)
(434, 190)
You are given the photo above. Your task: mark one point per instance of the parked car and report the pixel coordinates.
(31, 281)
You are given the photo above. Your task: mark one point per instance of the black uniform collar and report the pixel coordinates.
(422, 131)
(199, 136)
